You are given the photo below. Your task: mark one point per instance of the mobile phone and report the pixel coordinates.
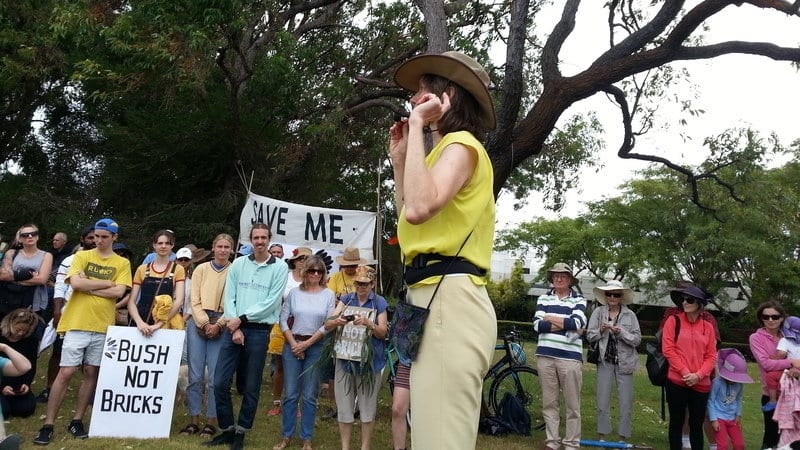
(349, 317)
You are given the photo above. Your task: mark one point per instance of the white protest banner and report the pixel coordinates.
(309, 226)
(351, 341)
(136, 387)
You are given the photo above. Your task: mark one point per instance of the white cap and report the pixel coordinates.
(183, 253)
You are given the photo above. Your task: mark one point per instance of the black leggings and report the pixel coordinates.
(770, 427)
(680, 399)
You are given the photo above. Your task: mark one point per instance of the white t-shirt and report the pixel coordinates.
(791, 347)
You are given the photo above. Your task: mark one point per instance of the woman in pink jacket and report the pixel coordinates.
(763, 343)
(689, 344)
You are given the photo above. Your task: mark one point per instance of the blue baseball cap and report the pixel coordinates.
(107, 225)
(246, 249)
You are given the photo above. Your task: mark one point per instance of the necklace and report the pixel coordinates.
(428, 130)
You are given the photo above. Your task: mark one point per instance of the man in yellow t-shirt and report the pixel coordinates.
(342, 282)
(98, 278)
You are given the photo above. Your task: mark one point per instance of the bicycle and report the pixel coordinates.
(511, 375)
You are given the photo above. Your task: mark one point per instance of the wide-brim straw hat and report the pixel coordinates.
(560, 268)
(613, 285)
(350, 257)
(198, 254)
(456, 67)
(300, 251)
(364, 274)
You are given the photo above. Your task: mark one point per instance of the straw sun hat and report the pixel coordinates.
(456, 67)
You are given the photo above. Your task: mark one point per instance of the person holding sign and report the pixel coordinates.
(362, 321)
(444, 198)
(303, 323)
(98, 278)
(253, 292)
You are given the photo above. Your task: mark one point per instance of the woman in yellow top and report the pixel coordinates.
(160, 277)
(446, 225)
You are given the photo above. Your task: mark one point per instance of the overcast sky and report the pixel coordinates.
(734, 91)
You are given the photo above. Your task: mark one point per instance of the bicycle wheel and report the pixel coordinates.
(522, 382)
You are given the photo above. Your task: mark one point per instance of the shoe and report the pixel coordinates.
(76, 429)
(282, 444)
(44, 436)
(224, 438)
(769, 407)
(11, 442)
(275, 411)
(238, 441)
(307, 445)
(43, 396)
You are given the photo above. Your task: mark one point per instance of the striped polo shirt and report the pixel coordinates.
(566, 343)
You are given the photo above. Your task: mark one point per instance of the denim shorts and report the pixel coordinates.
(82, 347)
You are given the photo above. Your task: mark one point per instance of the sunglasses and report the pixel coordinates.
(184, 259)
(771, 317)
(362, 283)
(315, 271)
(353, 266)
(613, 294)
(689, 299)
(29, 234)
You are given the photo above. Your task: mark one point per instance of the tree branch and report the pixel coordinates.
(552, 47)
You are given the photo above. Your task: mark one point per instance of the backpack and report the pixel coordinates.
(493, 426)
(513, 412)
(656, 364)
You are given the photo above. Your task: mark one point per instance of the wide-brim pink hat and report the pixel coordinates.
(732, 366)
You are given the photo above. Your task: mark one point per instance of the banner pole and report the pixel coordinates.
(379, 230)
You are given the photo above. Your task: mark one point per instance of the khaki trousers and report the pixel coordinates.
(447, 377)
(561, 376)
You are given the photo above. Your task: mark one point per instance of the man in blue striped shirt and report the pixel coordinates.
(560, 320)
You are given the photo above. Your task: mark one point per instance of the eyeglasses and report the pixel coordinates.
(29, 234)
(614, 294)
(771, 317)
(315, 271)
(362, 283)
(688, 299)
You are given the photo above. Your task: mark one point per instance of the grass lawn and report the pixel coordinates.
(648, 429)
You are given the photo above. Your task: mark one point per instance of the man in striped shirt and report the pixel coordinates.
(560, 320)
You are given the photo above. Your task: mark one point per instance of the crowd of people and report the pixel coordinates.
(236, 311)
(704, 384)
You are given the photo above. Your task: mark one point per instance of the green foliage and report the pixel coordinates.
(510, 296)
(554, 172)
(652, 235)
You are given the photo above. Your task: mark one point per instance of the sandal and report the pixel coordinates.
(208, 431)
(190, 429)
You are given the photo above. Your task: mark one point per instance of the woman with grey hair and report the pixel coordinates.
(615, 329)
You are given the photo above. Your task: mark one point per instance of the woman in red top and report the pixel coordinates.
(692, 355)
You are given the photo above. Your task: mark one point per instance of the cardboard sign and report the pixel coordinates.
(351, 340)
(136, 387)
